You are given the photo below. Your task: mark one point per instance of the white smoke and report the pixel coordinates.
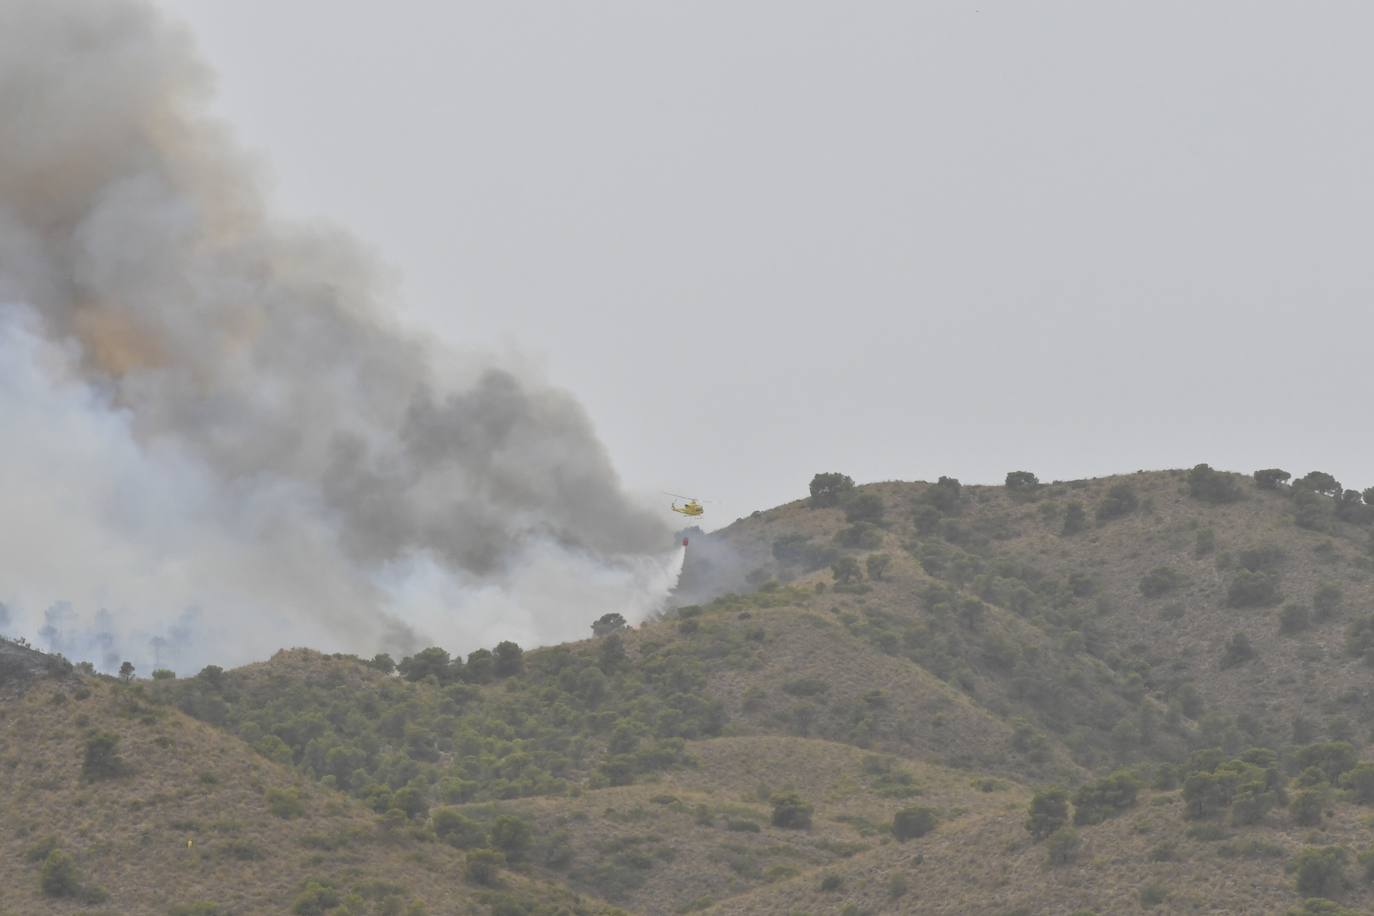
(216, 442)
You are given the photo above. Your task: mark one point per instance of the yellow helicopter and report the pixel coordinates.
(692, 507)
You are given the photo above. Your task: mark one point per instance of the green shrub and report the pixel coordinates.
(945, 494)
(805, 687)
(317, 898)
(1306, 807)
(1238, 651)
(483, 866)
(1075, 519)
(791, 812)
(1019, 482)
(163, 674)
(59, 878)
(101, 759)
(831, 883)
(285, 803)
(878, 565)
(610, 623)
(1318, 482)
(1320, 871)
(1063, 846)
(1360, 781)
(1333, 758)
(1271, 478)
(864, 507)
(1205, 542)
(911, 823)
(1253, 589)
(1326, 603)
(243, 850)
(1359, 638)
(846, 570)
(456, 829)
(1153, 895)
(511, 835)
(1095, 802)
(1165, 852)
(1120, 500)
(1366, 860)
(827, 489)
(1320, 906)
(1160, 581)
(1294, 618)
(1049, 810)
(41, 849)
(1211, 486)
(509, 659)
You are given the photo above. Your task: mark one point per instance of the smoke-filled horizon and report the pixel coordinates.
(217, 442)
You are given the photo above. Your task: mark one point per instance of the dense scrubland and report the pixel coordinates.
(1149, 692)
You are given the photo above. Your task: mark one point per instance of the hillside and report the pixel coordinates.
(895, 658)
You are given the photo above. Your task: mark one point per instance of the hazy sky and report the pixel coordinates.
(764, 239)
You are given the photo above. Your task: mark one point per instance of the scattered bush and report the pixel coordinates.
(878, 565)
(832, 883)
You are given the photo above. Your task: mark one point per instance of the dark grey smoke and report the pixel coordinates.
(252, 364)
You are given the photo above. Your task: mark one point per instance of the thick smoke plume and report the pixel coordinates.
(215, 441)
